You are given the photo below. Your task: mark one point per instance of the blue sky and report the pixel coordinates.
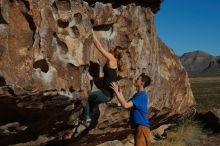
(189, 25)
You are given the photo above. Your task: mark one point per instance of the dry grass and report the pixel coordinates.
(188, 133)
(206, 91)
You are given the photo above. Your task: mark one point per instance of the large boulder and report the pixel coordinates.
(45, 52)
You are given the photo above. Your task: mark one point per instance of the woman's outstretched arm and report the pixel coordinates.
(99, 46)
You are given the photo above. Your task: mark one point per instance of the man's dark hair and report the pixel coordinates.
(146, 79)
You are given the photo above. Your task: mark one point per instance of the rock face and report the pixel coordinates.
(45, 52)
(200, 63)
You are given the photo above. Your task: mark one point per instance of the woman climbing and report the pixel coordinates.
(105, 94)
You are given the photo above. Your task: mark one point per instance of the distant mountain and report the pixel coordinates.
(201, 63)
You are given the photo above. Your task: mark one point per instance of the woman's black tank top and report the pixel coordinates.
(110, 75)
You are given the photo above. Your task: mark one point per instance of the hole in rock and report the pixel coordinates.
(2, 81)
(71, 89)
(42, 64)
(154, 4)
(104, 27)
(30, 23)
(2, 20)
(62, 45)
(78, 18)
(2, 50)
(62, 23)
(75, 30)
(26, 3)
(11, 1)
(54, 6)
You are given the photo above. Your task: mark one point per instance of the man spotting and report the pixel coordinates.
(139, 109)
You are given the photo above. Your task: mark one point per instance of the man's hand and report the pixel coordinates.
(116, 88)
(119, 95)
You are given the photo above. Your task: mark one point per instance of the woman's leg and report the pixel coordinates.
(86, 110)
(95, 97)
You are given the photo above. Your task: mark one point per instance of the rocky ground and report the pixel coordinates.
(36, 119)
